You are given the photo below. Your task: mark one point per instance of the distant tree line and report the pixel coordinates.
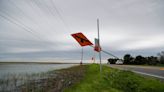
(140, 60)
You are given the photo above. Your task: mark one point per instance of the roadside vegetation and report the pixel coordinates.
(114, 80)
(52, 81)
(82, 78)
(141, 60)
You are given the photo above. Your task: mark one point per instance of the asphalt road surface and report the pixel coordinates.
(157, 72)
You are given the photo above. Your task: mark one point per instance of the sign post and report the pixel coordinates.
(94, 58)
(82, 40)
(81, 56)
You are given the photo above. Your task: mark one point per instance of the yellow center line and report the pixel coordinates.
(161, 68)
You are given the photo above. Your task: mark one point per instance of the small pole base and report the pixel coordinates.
(81, 63)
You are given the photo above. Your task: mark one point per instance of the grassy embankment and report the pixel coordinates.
(114, 80)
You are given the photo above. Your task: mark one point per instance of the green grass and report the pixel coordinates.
(114, 80)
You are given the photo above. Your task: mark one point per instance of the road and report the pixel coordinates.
(157, 72)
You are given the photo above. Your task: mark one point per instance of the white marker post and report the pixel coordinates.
(99, 44)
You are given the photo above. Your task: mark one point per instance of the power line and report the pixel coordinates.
(13, 4)
(29, 30)
(38, 5)
(8, 19)
(60, 16)
(22, 25)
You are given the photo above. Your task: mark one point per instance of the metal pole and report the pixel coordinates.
(99, 44)
(94, 57)
(81, 56)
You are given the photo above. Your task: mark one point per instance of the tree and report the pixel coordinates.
(128, 59)
(152, 60)
(161, 57)
(112, 60)
(140, 60)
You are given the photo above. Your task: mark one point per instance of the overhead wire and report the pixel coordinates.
(38, 4)
(25, 29)
(49, 9)
(59, 15)
(54, 12)
(35, 5)
(20, 10)
(20, 24)
(23, 26)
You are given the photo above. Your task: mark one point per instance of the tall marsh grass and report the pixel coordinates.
(37, 82)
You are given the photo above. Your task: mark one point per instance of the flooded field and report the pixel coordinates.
(8, 69)
(18, 77)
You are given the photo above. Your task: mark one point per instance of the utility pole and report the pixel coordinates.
(99, 44)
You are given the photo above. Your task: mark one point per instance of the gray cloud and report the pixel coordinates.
(33, 29)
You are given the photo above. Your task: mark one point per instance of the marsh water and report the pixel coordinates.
(8, 69)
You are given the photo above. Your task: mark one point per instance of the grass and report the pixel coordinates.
(157, 65)
(114, 80)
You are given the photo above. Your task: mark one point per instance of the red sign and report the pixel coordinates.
(97, 47)
(81, 39)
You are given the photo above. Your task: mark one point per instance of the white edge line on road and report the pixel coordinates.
(161, 77)
(157, 76)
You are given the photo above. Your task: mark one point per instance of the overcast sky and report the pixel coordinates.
(40, 29)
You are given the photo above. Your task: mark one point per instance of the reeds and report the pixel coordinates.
(27, 82)
(51, 81)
